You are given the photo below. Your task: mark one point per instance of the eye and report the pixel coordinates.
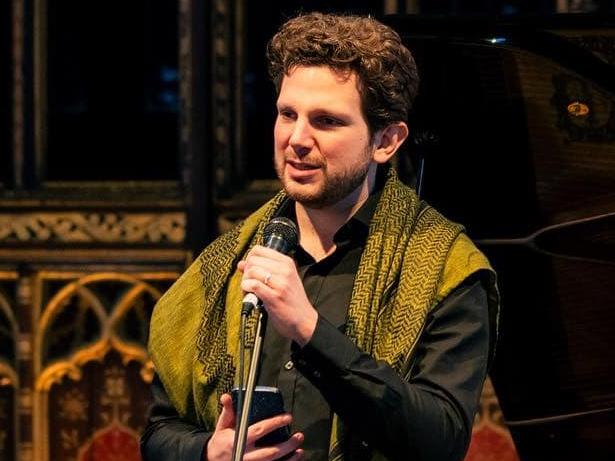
(329, 122)
(286, 114)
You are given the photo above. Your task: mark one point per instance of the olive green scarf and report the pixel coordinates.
(413, 258)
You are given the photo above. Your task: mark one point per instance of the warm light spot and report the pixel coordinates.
(578, 109)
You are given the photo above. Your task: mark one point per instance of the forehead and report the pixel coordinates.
(314, 86)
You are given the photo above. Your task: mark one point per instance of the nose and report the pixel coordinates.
(301, 138)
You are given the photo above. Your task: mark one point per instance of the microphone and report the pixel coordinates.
(280, 234)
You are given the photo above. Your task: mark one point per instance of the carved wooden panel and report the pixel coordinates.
(91, 369)
(93, 227)
(74, 321)
(101, 415)
(8, 370)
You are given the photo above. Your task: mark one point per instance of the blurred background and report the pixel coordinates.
(133, 133)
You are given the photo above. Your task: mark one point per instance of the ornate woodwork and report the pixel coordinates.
(74, 369)
(93, 227)
(9, 379)
(90, 361)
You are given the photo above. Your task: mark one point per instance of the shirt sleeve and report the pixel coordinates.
(426, 415)
(166, 435)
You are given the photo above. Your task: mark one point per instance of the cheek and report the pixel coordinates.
(281, 135)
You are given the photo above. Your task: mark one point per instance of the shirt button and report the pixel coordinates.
(316, 374)
(289, 365)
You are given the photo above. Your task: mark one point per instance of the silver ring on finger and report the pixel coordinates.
(267, 278)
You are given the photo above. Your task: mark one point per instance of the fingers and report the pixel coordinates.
(290, 447)
(260, 275)
(267, 258)
(262, 263)
(259, 250)
(297, 455)
(292, 444)
(267, 263)
(261, 428)
(258, 272)
(226, 419)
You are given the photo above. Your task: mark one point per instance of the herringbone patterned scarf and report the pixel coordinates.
(395, 287)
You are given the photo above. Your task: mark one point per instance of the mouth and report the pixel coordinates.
(302, 166)
(301, 172)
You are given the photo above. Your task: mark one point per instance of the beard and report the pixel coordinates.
(334, 187)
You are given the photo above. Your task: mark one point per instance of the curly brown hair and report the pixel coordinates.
(388, 78)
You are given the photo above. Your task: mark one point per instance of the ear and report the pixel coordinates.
(388, 140)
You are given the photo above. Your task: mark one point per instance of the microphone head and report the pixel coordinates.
(281, 234)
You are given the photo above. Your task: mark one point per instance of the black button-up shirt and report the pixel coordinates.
(328, 284)
(426, 415)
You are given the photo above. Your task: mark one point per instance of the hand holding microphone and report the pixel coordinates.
(280, 234)
(269, 275)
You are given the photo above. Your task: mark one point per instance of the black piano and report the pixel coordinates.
(514, 135)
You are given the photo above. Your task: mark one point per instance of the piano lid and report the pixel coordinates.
(515, 121)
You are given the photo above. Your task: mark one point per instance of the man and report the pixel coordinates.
(379, 326)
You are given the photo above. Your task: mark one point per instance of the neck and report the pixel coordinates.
(317, 226)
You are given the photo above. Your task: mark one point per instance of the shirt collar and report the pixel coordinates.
(357, 227)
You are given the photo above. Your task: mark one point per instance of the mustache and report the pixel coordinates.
(307, 161)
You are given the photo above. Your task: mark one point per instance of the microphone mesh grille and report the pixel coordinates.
(283, 228)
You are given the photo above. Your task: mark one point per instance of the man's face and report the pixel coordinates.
(322, 143)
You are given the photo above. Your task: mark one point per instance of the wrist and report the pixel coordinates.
(306, 328)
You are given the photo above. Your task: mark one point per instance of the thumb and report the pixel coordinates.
(227, 417)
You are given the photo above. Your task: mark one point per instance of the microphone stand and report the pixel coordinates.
(241, 432)
(280, 234)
